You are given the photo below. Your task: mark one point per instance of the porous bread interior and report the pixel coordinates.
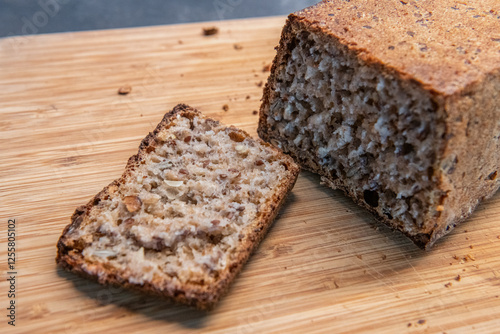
(196, 195)
(366, 132)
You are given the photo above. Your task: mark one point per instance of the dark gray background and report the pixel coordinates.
(21, 17)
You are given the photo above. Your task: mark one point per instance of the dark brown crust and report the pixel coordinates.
(201, 297)
(469, 99)
(413, 38)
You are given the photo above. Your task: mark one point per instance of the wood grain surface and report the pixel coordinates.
(326, 265)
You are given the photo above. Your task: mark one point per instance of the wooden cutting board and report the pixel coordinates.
(325, 266)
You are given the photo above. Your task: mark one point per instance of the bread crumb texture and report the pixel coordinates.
(357, 125)
(391, 102)
(183, 212)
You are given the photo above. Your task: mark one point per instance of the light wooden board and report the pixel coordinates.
(325, 266)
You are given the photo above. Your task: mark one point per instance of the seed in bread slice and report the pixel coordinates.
(185, 215)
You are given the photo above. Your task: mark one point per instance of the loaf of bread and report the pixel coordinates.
(186, 214)
(394, 102)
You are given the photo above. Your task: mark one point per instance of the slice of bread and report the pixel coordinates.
(186, 214)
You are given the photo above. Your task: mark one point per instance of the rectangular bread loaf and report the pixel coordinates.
(394, 102)
(186, 214)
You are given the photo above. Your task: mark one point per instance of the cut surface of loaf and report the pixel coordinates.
(186, 214)
(394, 102)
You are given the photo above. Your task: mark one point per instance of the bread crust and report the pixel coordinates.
(463, 90)
(201, 297)
(413, 38)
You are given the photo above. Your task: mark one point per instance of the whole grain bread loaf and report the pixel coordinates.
(394, 102)
(185, 215)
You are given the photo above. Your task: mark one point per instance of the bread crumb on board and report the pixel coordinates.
(225, 107)
(237, 47)
(209, 31)
(124, 90)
